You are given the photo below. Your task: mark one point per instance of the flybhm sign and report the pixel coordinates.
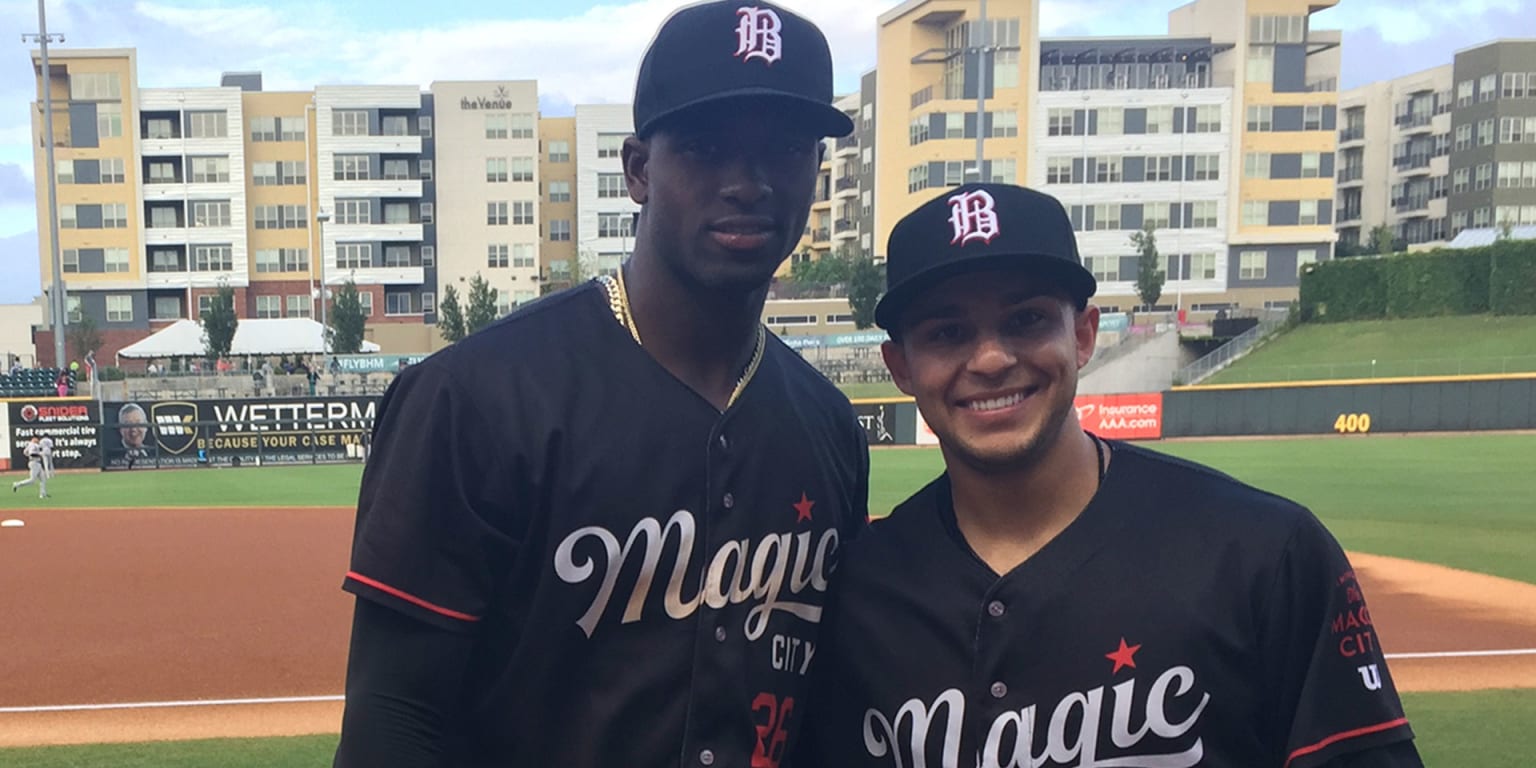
(499, 99)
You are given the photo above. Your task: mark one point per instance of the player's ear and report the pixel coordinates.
(636, 153)
(1085, 327)
(896, 361)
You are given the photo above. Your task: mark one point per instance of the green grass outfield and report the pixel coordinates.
(1431, 346)
(1458, 500)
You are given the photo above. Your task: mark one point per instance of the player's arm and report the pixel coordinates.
(1335, 705)
(430, 546)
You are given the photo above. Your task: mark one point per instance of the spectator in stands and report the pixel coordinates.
(61, 383)
(16, 368)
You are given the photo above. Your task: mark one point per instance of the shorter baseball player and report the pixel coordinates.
(34, 453)
(1057, 599)
(46, 443)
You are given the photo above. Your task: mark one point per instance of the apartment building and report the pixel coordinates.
(487, 176)
(557, 200)
(167, 194)
(604, 212)
(1433, 153)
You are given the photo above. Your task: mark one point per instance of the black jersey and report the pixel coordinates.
(645, 575)
(1183, 619)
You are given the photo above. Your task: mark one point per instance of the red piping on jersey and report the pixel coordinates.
(1337, 737)
(410, 598)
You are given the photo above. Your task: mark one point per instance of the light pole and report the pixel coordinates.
(320, 219)
(981, 91)
(59, 313)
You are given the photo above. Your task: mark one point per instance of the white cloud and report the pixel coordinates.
(1412, 21)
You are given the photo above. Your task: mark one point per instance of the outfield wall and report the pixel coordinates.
(151, 434)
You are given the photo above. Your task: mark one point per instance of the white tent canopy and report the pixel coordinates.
(260, 337)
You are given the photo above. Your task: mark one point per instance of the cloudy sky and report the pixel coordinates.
(581, 51)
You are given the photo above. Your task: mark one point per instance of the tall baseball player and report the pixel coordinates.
(34, 454)
(46, 444)
(1056, 599)
(600, 532)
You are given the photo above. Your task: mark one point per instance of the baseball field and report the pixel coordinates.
(195, 617)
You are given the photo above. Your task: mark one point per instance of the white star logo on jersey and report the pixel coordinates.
(973, 215)
(757, 35)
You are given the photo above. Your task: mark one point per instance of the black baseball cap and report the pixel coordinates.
(976, 227)
(729, 49)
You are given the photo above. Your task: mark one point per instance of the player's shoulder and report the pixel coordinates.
(545, 327)
(806, 387)
(911, 528)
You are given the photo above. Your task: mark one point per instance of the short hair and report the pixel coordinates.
(122, 413)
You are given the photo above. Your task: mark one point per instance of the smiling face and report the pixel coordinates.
(133, 429)
(726, 189)
(992, 360)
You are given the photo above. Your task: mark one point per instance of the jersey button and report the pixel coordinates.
(999, 690)
(720, 634)
(707, 757)
(729, 501)
(724, 443)
(996, 609)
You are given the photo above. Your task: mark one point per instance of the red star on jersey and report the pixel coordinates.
(803, 509)
(1125, 656)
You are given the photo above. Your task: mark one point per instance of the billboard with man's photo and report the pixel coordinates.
(148, 434)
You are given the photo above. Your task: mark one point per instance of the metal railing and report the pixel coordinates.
(1354, 133)
(1383, 369)
(1232, 351)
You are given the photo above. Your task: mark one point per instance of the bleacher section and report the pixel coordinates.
(32, 382)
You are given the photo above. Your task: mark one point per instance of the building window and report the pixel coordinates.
(428, 212)
(1058, 170)
(395, 125)
(269, 306)
(1261, 64)
(1106, 216)
(610, 144)
(207, 125)
(559, 192)
(352, 168)
(495, 169)
(1312, 118)
(426, 170)
(1255, 213)
(67, 218)
(428, 302)
(204, 304)
(1461, 179)
(522, 169)
(397, 256)
(396, 303)
(614, 224)
(64, 171)
(1488, 88)
(263, 129)
(210, 170)
(1304, 257)
(1208, 119)
(71, 260)
(354, 255)
(1517, 130)
(159, 128)
(1004, 170)
(300, 305)
(167, 308)
(95, 86)
(424, 126)
(1109, 170)
(954, 125)
(954, 173)
(72, 307)
(1202, 214)
(212, 213)
(1202, 266)
(282, 260)
(165, 261)
(163, 217)
(119, 308)
(429, 255)
(1485, 132)
(1160, 167)
(1157, 215)
(397, 213)
(496, 213)
(354, 211)
(397, 170)
(522, 126)
(367, 302)
(349, 122)
(1308, 215)
(1111, 121)
(781, 321)
(1261, 118)
(1277, 29)
(522, 212)
(496, 255)
(1059, 122)
(559, 151)
(523, 256)
(212, 258)
(1465, 93)
(560, 230)
(1005, 69)
(917, 178)
(1311, 164)
(1105, 269)
(109, 121)
(1206, 168)
(917, 131)
(115, 260)
(1484, 177)
(1005, 124)
(1253, 265)
(1159, 119)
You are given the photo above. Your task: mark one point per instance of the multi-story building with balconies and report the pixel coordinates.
(605, 213)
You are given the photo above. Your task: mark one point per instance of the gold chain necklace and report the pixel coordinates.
(618, 303)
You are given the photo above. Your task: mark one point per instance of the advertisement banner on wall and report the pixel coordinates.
(71, 424)
(1122, 417)
(879, 422)
(168, 433)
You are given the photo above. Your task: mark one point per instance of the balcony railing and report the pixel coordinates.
(846, 182)
(843, 225)
(1413, 203)
(821, 235)
(1348, 214)
(848, 142)
(1413, 161)
(1353, 133)
(1351, 174)
(1414, 120)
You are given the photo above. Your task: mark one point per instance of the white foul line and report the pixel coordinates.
(1463, 654)
(168, 704)
(321, 699)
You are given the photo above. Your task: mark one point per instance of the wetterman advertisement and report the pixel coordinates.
(71, 424)
(148, 434)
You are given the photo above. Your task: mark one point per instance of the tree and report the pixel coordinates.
(1149, 266)
(220, 323)
(1506, 231)
(347, 320)
(865, 279)
(825, 273)
(83, 336)
(1383, 242)
(482, 305)
(450, 316)
(577, 271)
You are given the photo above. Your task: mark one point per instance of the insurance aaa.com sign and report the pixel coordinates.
(1122, 417)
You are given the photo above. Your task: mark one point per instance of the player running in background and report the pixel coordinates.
(34, 454)
(46, 444)
(599, 533)
(1057, 599)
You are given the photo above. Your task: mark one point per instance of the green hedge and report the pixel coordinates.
(1500, 278)
(1441, 282)
(1344, 290)
(1513, 279)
